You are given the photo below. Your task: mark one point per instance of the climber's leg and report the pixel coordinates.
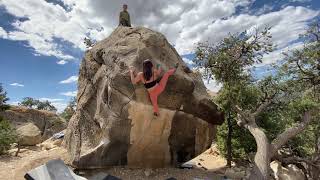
(154, 101)
(163, 82)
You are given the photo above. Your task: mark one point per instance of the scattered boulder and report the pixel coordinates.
(53, 142)
(29, 135)
(291, 172)
(114, 123)
(53, 170)
(33, 126)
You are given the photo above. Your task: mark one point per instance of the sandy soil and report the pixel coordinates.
(210, 160)
(208, 165)
(154, 174)
(14, 168)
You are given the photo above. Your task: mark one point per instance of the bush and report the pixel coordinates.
(242, 141)
(7, 135)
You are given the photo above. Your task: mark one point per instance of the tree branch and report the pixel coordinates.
(302, 70)
(240, 111)
(245, 117)
(290, 133)
(262, 107)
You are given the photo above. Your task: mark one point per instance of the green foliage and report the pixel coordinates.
(28, 102)
(45, 105)
(228, 60)
(36, 104)
(242, 141)
(69, 110)
(302, 67)
(293, 90)
(7, 135)
(3, 99)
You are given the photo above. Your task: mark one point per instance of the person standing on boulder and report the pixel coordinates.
(152, 83)
(124, 17)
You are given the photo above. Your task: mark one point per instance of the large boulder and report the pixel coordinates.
(33, 126)
(29, 135)
(114, 123)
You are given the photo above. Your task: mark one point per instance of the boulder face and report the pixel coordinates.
(33, 126)
(29, 135)
(114, 123)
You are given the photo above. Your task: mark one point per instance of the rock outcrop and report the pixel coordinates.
(33, 126)
(114, 123)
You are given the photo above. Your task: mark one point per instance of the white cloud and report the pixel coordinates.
(14, 103)
(278, 54)
(302, 1)
(71, 79)
(62, 62)
(60, 106)
(265, 8)
(286, 25)
(44, 22)
(188, 61)
(184, 22)
(213, 85)
(17, 84)
(210, 83)
(50, 99)
(69, 93)
(3, 33)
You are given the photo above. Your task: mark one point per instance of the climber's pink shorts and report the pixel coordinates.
(158, 89)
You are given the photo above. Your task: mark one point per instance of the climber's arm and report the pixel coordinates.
(135, 79)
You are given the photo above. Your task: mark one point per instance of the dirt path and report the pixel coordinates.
(14, 168)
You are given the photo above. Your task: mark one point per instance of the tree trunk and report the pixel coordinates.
(229, 145)
(265, 149)
(289, 133)
(262, 158)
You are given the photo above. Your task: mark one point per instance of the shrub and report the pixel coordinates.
(7, 135)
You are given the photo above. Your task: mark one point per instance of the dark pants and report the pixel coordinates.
(125, 23)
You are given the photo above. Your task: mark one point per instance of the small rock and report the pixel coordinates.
(236, 169)
(231, 173)
(147, 172)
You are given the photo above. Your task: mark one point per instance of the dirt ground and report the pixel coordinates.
(14, 168)
(209, 164)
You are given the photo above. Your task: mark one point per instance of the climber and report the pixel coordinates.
(152, 83)
(124, 17)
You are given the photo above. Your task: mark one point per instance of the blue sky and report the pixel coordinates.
(41, 42)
